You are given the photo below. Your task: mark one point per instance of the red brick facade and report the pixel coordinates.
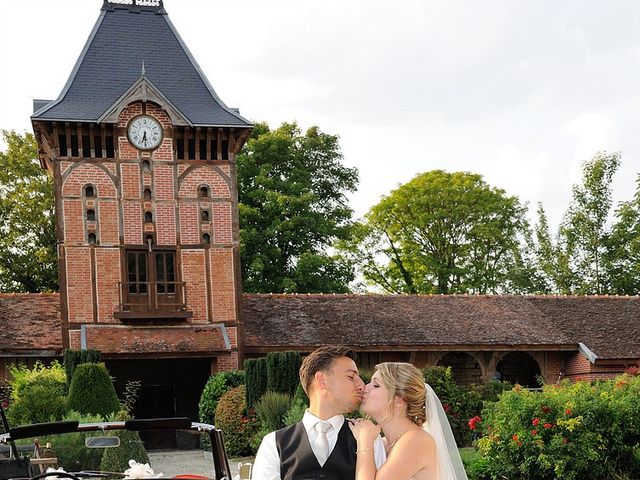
(145, 200)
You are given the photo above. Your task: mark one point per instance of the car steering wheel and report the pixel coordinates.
(55, 474)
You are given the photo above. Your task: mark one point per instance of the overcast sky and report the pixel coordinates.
(521, 92)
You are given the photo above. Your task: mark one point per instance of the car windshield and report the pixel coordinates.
(111, 450)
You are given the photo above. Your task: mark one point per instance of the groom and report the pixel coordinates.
(321, 445)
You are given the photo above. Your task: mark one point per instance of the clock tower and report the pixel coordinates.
(142, 152)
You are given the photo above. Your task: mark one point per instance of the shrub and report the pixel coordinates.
(459, 404)
(72, 358)
(92, 391)
(131, 448)
(256, 379)
(37, 394)
(491, 391)
(69, 448)
(295, 412)
(271, 409)
(570, 431)
(216, 386)
(233, 419)
(283, 372)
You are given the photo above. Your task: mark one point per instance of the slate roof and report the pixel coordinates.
(30, 324)
(608, 326)
(123, 39)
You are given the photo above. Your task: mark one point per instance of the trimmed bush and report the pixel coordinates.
(271, 409)
(131, 448)
(92, 391)
(72, 358)
(570, 431)
(37, 394)
(256, 379)
(283, 372)
(236, 425)
(216, 386)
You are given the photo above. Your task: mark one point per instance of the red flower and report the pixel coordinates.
(568, 411)
(446, 407)
(546, 409)
(534, 432)
(535, 421)
(514, 437)
(473, 422)
(519, 444)
(548, 425)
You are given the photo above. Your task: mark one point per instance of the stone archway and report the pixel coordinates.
(520, 368)
(465, 368)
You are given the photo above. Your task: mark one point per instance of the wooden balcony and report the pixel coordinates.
(151, 301)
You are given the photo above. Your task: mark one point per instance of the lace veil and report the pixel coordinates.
(450, 465)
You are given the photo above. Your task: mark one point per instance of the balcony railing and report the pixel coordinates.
(153, 300)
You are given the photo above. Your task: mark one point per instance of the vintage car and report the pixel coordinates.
(146, 448)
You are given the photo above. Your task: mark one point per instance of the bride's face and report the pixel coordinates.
(375, 400)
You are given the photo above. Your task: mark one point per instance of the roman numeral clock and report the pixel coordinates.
(144, 132)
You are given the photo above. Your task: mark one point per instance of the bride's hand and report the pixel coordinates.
(364, 431)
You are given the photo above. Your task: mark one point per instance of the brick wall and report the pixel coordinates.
(107, 277)
(194, 275)
(79, 292)
(222, 285)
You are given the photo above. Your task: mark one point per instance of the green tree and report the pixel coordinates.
(622, 248)
(583, 256)
(583, 229)
(28, 260)
(293, 207)
(441, 232)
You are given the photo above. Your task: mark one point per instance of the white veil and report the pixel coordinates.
(450, 465)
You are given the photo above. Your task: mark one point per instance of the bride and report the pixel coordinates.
(418, 439)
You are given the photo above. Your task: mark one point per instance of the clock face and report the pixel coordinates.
(145, 132)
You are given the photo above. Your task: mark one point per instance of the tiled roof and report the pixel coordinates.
(124, 42)
(30, 323)
(608, 326)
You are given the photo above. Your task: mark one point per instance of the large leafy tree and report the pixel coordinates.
(577, 259)
(443, 233)
(293, 208)
(622, 248)
(28, 260)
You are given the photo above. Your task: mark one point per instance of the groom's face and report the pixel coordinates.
(344, 385)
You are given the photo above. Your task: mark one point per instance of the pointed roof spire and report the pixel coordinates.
(143, 71)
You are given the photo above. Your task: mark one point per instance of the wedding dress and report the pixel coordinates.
(450, 465)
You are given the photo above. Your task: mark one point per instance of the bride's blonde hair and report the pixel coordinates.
(406, 382)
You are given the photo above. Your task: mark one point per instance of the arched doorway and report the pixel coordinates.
(520, 368)
(464, 368)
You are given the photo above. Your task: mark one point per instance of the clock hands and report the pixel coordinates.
(144, 138)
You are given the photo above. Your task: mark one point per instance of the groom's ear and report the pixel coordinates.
(321, 379)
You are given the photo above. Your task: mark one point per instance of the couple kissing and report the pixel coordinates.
(418, 442)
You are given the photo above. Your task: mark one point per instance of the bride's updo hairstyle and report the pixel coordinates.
(406, 382)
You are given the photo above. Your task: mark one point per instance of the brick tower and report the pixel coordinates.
(142, 152)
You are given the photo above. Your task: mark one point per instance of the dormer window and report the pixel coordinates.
(89, 191)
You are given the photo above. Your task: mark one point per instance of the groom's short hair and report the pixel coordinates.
(321, 360)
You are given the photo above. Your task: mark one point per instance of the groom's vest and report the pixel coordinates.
(298, 462)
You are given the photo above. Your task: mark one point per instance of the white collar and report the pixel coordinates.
(309, 421)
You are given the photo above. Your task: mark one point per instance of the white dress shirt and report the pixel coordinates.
(267, 463)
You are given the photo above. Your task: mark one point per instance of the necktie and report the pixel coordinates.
(322, 452)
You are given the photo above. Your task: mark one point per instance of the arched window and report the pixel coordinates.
(204, 215)
(91, 215)
(206, 239)
(148, 217)
(92, 239)
(147, 194)
(203, 191)
(89, 191)
(146, 166)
